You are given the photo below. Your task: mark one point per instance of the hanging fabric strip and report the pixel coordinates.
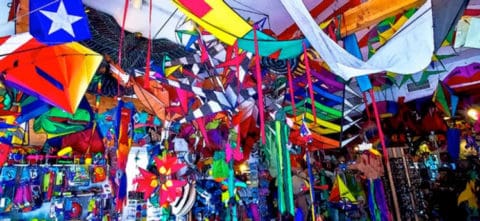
(288, 167)
(379, 125)
(236, 53)
(409, 51)
(281, 192)
(203, 48)
(122, 34)
(309, 79)
(351, 45)
(259, 87)
(146, 82)
(372, 205)
(381, 200)
(311, 180)
(290, 90)
(231, 189)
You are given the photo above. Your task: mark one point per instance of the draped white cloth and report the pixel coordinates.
(409, 51)
(138, 15)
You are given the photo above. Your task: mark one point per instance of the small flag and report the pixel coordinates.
(58, 21)
(305, 132)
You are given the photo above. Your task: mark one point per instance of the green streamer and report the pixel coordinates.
(280, 171)
(284, 178)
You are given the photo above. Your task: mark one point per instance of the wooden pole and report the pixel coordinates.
(405, 167)
(394, 191)
(22, 17)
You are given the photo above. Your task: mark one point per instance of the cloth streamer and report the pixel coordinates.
(259, 88)
(290, 89)
(409, 51)
(309, 79)
(379, 126)
(374, 210)
(231, 190)
(351, 45)
(312, 184)
(381, 200)
(283, 164)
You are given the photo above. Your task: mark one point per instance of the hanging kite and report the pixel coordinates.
(59, 74)
(220, 20)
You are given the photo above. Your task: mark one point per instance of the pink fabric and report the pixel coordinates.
(259, 88)
(255, 213)
(309, 79)
(197, 7)
(233, 152)
(146, 82)
(379, 126)
(290, 89)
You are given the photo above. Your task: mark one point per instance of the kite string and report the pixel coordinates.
(32, 11)
(120, 44)
(252, 9)
(165, 23)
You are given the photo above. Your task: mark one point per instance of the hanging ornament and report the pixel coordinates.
(164, 184)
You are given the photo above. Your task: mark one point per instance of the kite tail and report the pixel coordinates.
(122, 192)
(381, 200)
(124, 142)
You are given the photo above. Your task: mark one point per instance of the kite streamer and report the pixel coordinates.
(259, 88)
(310, 85)
(290, 89)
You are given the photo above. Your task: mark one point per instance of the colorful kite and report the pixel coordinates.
(220, 20)
(58, 75)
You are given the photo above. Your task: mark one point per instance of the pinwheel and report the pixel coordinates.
(164, 184)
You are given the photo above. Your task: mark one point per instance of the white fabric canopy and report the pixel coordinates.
(138, 15)
(409, 51)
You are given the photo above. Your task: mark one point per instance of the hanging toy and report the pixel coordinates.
(219, 166)
(432, 164)
(165, 185)
(99, 174)
(471, 141)
(75, 211)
